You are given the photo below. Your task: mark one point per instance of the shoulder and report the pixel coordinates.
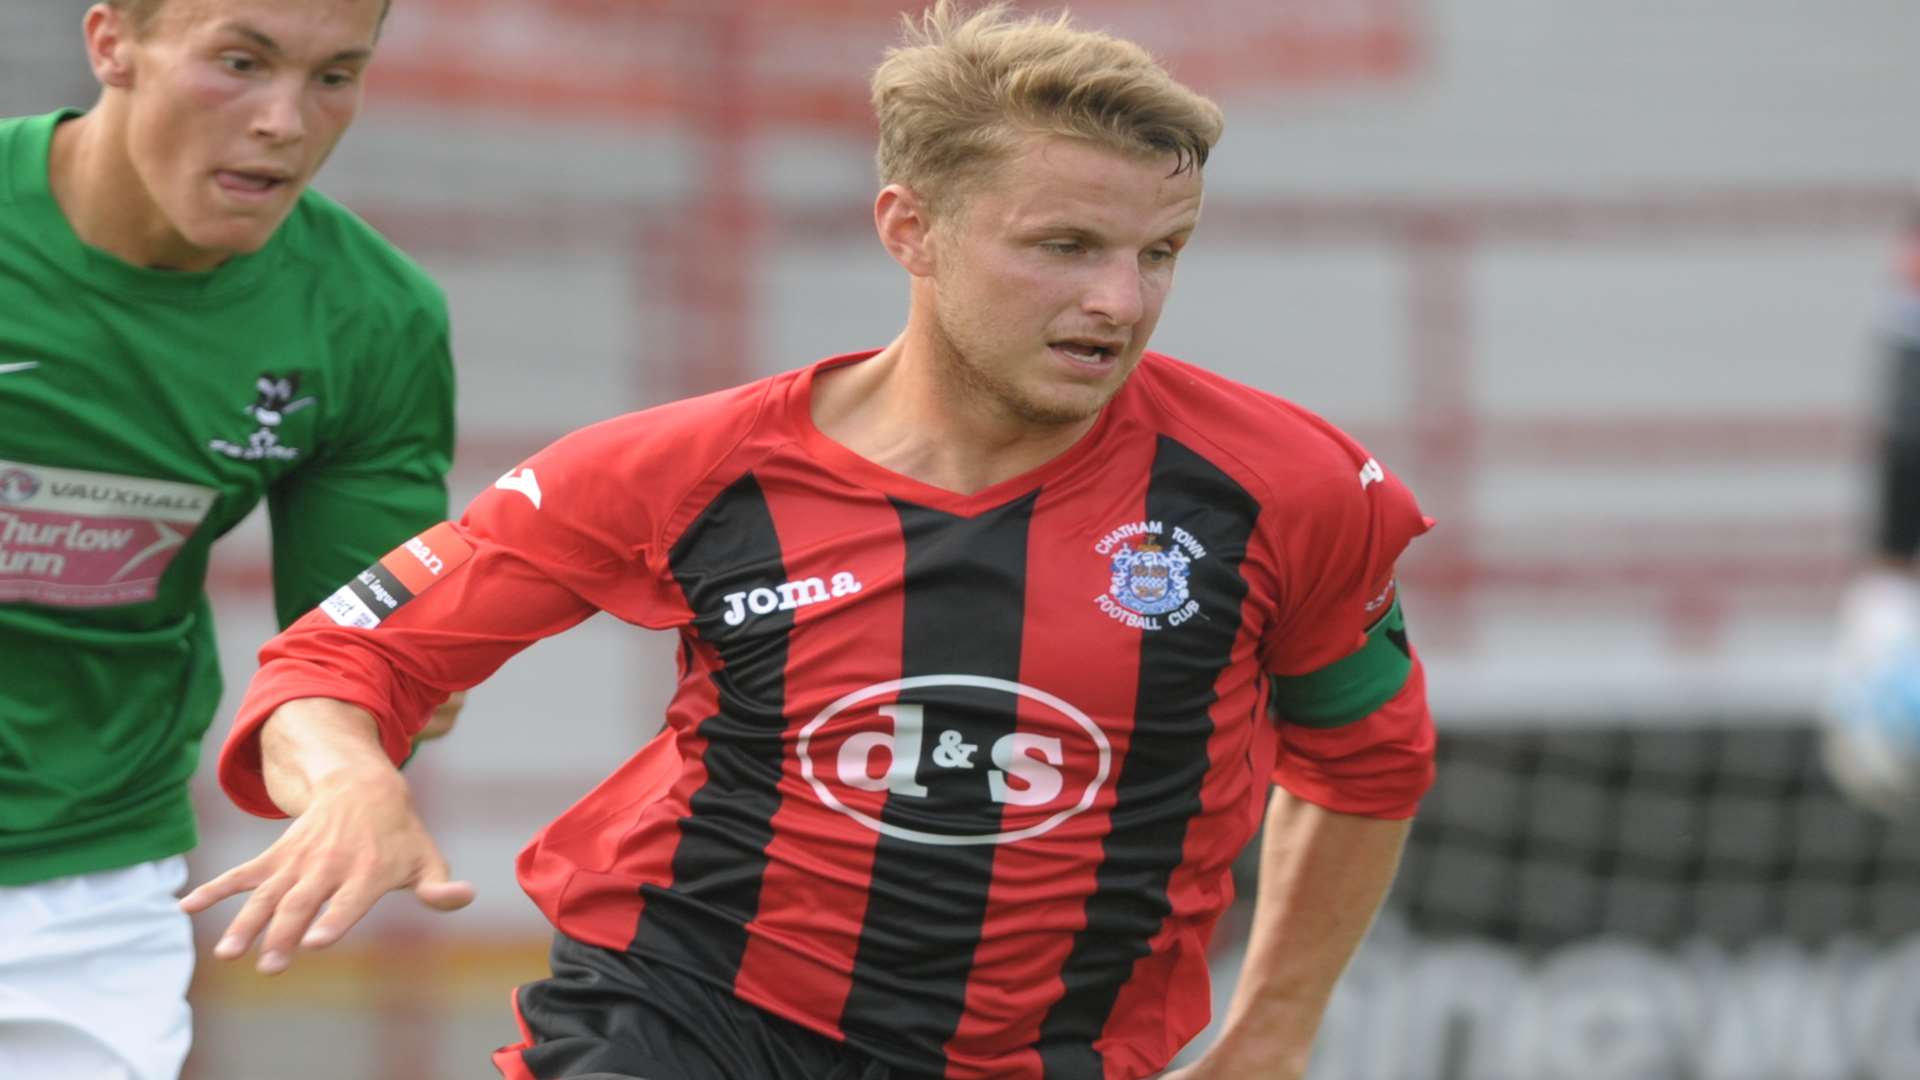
(349, 258)
(11, 130)
(17, 133)
(23, 148)
(12, 134)
(1274, 447)
(686, 432)
(659, 456)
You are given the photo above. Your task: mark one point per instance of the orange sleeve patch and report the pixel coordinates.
(428, 557)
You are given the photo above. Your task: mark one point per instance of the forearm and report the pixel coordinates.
(309, 743)
(1322, 878)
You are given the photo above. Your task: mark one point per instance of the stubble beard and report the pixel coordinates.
(966, 383)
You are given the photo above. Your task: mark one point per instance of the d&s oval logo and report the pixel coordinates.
(875, 753)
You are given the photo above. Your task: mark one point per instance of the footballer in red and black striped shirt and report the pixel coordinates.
(995, 642)
(957, 778)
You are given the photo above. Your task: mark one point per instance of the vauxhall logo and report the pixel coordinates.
(871, 751)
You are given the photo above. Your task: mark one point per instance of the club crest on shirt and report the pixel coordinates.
(273, 401)
(1149, 567)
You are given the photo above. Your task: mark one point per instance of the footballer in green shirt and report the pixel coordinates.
(185, 329)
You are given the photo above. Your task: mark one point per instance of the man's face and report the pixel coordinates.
(234, 105)
(1051, 274)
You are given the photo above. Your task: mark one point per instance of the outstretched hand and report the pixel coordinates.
(354, 843)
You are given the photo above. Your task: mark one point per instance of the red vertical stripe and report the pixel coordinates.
(816, 910)
(1034, 911)
(1161, 810)
(1202, 885)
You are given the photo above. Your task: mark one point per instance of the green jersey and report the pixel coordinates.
(143, 413)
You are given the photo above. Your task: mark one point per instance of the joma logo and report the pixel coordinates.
(789, 595)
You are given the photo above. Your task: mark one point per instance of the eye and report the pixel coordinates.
(239, 63)
(337, 79)
(1061, 247)
(1158, 256)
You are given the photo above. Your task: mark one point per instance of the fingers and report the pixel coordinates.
(246, 876)
(252, 918)
(350, 847)
(286, 913)
(445, 895)
(292, 917)
(434, 889)
(347, 907)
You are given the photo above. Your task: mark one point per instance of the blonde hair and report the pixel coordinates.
(140, 13)
(960, 91)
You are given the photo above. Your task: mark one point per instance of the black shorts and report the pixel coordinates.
(606, 1015)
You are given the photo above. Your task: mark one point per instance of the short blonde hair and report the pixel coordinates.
(959, 92)
(140, 13)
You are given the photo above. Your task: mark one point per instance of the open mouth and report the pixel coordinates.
(1092, 353)
(244, 183)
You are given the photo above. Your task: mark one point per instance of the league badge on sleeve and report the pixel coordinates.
(402, 574)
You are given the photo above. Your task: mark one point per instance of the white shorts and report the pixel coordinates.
(93, 975)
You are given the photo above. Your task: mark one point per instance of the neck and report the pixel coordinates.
(897, 411)
(105, 201)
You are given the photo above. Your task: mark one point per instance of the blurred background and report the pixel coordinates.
(1605, 282)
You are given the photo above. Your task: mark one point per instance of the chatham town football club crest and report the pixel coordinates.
(1149, 579)
(1149, 567)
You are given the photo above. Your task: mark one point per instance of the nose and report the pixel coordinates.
(1118, 292)
(280, 117)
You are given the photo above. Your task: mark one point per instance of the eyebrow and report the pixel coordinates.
(243, 30)
(1085, 235)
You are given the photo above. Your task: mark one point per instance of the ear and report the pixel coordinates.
(906, 231)
(109, 39)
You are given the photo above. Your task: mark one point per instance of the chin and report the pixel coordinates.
(235, 230)
(235, 239)
(1060, 410)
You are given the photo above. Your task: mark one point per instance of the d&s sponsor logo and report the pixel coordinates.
(871, 742)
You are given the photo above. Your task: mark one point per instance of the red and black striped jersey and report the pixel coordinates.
(955, 778)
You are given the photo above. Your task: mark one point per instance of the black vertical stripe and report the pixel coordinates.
(1157, 792)
(966, 588)
(720, 862)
